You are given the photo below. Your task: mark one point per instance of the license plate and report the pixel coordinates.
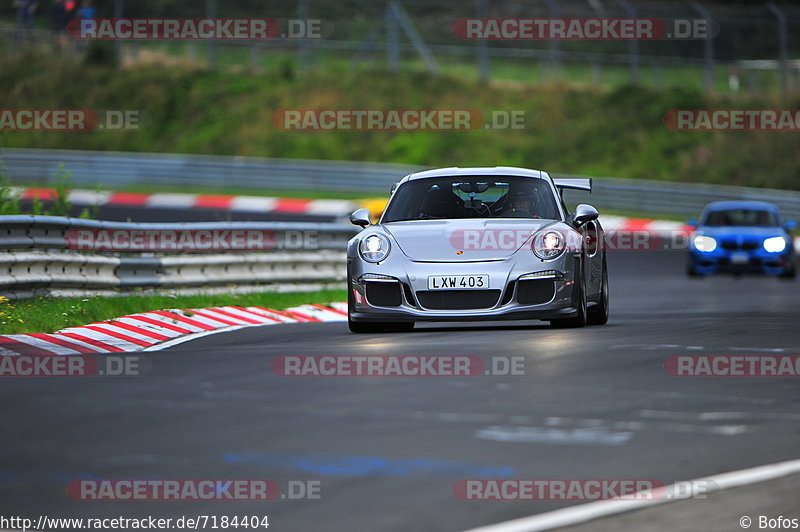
(456, 282)
(740, 258)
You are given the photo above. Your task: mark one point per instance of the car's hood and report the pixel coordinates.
(732, 233)
(463, 240)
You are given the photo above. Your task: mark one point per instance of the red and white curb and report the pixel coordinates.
(660, 227)
(158, 329)
(663, 228)
(260, 204)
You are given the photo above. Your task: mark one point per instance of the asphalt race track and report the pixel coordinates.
(593, 403)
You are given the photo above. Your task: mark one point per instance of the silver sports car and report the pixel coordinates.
(460, 244)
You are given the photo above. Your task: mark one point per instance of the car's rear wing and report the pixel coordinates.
(573, 183)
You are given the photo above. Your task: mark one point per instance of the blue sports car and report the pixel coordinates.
(742, 237)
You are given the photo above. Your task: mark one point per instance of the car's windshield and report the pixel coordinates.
(472, 197)
(741, 218)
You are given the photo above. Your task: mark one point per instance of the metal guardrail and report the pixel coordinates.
(35, 257)
(114, 170)
(658, 198)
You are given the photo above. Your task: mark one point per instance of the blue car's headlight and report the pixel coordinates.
(776, 244)
(374, 248)
(704, 243)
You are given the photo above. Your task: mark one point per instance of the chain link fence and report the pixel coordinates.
(751, 52)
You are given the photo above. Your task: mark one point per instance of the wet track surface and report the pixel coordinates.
(593, 403)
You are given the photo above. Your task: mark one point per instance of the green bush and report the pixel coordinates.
(570, 128)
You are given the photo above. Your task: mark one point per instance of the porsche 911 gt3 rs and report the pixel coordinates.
(462, 244)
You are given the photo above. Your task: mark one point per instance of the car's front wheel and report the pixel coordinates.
(691, 271)
(790, 273)
(598, 314)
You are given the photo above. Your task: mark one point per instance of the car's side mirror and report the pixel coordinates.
(790, 225)
(585, 213)
(691, 222)
(361, 217)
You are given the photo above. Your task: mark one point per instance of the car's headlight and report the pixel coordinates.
(548, 245)
(705, 243)
(374, 248)
(776, 244)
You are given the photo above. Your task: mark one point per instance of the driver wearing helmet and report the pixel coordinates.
(521, 205)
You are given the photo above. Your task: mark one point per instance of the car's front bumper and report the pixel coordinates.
(755, 261)
(412, 285)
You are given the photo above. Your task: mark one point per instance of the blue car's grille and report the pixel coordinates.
(733, 245)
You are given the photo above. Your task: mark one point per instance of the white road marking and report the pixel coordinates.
(575, 436)
(656, 347)
(716, 416)
(583, 513)
(195, 336)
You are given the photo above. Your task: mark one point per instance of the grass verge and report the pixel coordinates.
(46, 315)
(569, 128)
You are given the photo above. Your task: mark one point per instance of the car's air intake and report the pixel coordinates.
(457, 299)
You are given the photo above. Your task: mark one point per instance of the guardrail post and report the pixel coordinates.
(303, 59)
(481, 51)
(554, 11)
(783, 54)
(633, 44)
(708, 48)
(211, 49)
(119, 10)
(413, 35)
(392, 40)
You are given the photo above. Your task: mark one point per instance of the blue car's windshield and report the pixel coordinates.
(473, 197)
(741, 218)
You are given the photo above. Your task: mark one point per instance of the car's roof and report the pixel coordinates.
(741, 204)
(477, 171)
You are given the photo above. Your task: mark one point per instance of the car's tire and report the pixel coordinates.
(598, 314)
(691, 271)
(360, 327)
(789, 274)
(580, 319)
